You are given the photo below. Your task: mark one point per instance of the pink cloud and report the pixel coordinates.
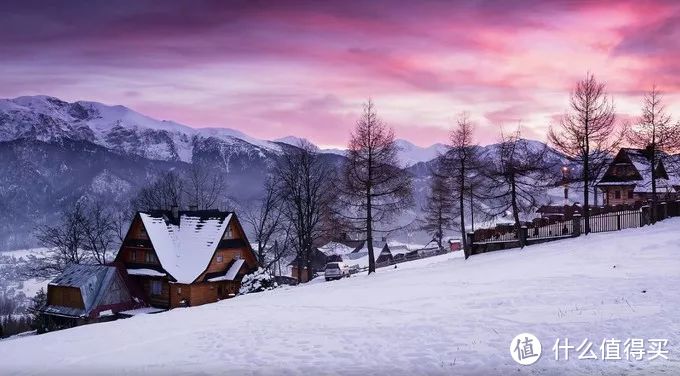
(304, 67)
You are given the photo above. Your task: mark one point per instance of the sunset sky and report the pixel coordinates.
(278, 68)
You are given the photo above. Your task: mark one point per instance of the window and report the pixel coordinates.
(179, 290)
(133, 255)
(219, 258)
(156, 287)
(150, 257)
(229, 233)
(617, 194)
(630, 194)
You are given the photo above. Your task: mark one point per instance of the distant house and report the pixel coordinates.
(628, 178)
(319, 261)
(87, 293)
(186, 258)
(382, 252)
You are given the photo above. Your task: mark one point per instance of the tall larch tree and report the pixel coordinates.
(440, 206)
(461, 161)
(587, 134)
(375, 187)
(518, 179)
(655, 132)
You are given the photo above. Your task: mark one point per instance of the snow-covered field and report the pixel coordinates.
(440, 315)
(31, 286)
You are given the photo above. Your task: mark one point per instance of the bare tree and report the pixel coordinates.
(200, 187)
(99, 231)
(657, 134)
(587, 134)
(519, 178)
(163, 193)
(281, 248)
(85, 234)
(204, 187)
(65, 243)
(375, 188)
(439, 210)
(266, 221)
(121, 217)
(305, 184)
(462, 164)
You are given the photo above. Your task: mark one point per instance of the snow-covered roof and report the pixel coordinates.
(231, 273)
(185, 249)
(335, 248)
(89, 279)
(146, 272)
(642, 163)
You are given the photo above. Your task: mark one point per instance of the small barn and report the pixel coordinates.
(319, 261)
(86, 293)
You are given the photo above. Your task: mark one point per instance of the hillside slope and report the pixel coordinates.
(440, 315)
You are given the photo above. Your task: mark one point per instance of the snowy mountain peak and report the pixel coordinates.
(410, 154)
(291, 140)
(120, 128)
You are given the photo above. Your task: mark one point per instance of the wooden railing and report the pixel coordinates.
(602, 219)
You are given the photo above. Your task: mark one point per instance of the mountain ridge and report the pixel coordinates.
(117, 126)
(53, 153)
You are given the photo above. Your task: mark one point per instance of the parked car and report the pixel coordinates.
(336, 270)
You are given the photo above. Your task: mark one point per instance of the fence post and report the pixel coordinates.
(618, 221)
(576, 225)
(470, 243)
(664, 210)
(644, 216)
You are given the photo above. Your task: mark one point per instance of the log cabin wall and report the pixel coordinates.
(65, 296)
(161, 300)
(179, 292)
(202, 293)
(137, 247)
(232, 246)
(620, 195)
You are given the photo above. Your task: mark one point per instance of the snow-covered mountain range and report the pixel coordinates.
(53, 152)
(122, 129)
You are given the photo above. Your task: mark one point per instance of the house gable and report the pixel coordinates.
(621, 169)
(137, 251)
(233, 245)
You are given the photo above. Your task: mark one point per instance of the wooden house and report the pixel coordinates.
(319, 261)
(186, 258)
(628, 179)
(382, 253)
(87, 293)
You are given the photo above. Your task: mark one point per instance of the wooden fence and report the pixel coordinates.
(543, 230)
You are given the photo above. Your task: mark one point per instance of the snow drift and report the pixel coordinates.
(440, 315)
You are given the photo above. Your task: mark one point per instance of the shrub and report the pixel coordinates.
(260, 280)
